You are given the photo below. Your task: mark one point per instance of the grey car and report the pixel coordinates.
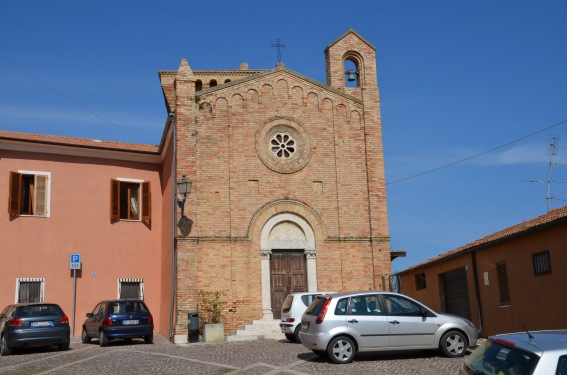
(340, 325)
(521, 353)
(25, 325)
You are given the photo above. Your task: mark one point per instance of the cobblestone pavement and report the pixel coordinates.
(273, 357)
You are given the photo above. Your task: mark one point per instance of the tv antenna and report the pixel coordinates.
(553, 151)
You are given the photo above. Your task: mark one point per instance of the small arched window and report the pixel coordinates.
(213, 83)
(198, 85)
(226, 80)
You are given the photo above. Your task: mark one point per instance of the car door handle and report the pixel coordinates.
(352, 321)
(394, 322)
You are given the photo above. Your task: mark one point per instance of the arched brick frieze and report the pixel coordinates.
(356, 119)
(252, 98)
(282, 89)
(266, 94)
(312, 101)
(297, 96)
(237, 102)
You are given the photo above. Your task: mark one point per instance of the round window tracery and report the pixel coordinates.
(282, 145)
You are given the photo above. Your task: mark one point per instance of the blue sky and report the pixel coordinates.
(456, 79)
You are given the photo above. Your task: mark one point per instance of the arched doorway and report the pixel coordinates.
(288, 260)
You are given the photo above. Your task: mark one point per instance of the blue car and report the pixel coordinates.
(119, 319)
(25, 325)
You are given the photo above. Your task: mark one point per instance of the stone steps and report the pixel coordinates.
(258, 330)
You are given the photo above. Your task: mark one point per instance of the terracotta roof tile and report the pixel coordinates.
(78, 142)
(533, 224)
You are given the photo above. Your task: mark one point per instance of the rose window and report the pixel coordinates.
(282, 145)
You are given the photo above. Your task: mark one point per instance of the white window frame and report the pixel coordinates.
(131, 280)
(30, 279)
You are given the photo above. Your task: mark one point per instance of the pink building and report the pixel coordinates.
(107, 201)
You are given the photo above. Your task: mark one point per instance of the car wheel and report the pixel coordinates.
(4, 348)
(64, 346)
(290, 337)
(341, 350)
(85, 336)
(149, 339)
(296, 333)
(453, 344)
(103, 340)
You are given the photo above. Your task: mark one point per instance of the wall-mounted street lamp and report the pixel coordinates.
(184, 187)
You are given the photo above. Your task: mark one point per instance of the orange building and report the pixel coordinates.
(509, 281)
(288, 194)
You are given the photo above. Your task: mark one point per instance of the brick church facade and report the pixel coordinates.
(288, 194)
(288, 188)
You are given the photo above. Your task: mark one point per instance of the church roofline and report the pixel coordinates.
(351, 31)
(281, 68)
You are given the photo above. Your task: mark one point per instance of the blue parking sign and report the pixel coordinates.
(75, 262)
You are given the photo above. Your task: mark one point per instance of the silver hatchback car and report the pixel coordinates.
(340, 325)
(521, 353)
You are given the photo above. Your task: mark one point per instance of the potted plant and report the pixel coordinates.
(211, 315)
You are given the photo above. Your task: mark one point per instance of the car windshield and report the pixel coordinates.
(127, 307)
(493, 357)
(38, 310)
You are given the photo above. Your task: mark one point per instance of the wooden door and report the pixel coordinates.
(287, 274)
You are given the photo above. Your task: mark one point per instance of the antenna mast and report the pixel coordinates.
(553, 151)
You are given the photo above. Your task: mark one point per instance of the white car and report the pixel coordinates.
(293, 308)
(521, 353)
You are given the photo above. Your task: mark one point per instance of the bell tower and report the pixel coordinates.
(351, 65)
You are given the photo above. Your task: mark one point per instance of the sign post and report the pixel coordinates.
(74, 264)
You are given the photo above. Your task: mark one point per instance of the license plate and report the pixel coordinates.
(42, 324)
(130, 322)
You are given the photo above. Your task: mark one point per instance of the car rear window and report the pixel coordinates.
(287, 303)
(493, 357)
(38, 310)
(308, 298)
(127, 307)
(316, 305)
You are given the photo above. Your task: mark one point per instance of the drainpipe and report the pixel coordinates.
(477, 292)
(170, 118)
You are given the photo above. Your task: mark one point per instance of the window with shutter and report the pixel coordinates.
(29, 193)
(503, 284)
(130, 200)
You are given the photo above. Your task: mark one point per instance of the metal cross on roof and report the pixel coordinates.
(278, 45)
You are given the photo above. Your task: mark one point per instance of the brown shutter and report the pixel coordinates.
(40, 201)
(15, 196)
(503, 284)
(114, 199)
(146, 202)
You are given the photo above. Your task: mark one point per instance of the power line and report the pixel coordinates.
(477, 155)
(71, 99)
